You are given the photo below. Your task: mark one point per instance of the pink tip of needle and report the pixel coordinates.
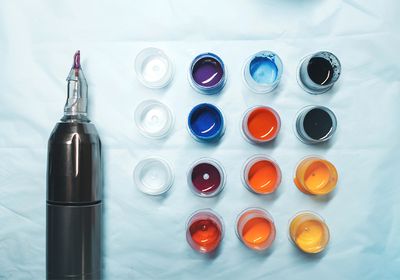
(77, 60)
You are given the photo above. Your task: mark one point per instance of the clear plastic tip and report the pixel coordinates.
(77, 98)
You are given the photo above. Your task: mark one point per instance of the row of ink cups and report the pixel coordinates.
(260, 124)
(316, 73)
(256, 229)
(260, 174)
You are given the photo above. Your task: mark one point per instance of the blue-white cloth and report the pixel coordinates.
(145, 236)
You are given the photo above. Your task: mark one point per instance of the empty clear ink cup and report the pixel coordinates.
(207, 73)
(255, 227)
(309, 232)
(153, 176)
(318, 72)
(260, 124)
(206, 177)
(261, 175)
(206, 123)
(204, 231)
(316, 176)
(153, 68)
(154, 119)
(315, 124)
(262, 71)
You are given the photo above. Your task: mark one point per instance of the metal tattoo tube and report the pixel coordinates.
(74, 189)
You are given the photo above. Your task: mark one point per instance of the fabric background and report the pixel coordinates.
(145, 236)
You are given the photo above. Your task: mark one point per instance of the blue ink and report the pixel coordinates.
(206, 122)
(263, 69)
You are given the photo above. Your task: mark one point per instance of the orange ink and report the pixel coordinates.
(262, 175)
(261, 124)
(255, 228)
(204, 231)
(315, 176)
(309, 232)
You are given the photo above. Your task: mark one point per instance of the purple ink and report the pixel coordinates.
(207, 73)
(206, 177)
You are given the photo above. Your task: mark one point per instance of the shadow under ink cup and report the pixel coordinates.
(309, 232)
(315, 124)
(204, 231)
(260, 124)
(206, 177)
(206, 123)
(262, 71)
(261, 175)
(318, 72)
(207, 73)
(316, 176)
(255, 227)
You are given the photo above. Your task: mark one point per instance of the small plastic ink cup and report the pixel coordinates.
(309, 232)
(262, 72)
(318, 72)
(204, 231)
(315, 176)
(206, 177)
(261, 175)
(207, 73)
(154, 119)
(153, 68)
(153, 176)
(255, 227)
(260, 124)
(206, 123)
(315, 124)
